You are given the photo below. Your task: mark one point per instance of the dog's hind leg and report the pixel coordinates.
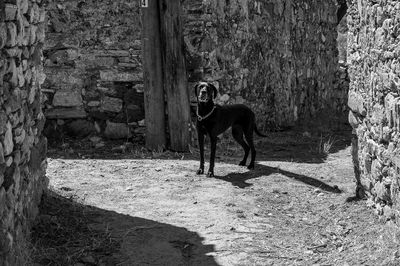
(249, 138)
(237, 133)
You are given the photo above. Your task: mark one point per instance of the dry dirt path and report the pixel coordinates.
(290, 210)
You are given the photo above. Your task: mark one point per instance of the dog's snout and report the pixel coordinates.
(203, 92)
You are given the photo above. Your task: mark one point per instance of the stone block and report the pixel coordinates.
(20, 76)
(34, 12)
(25, 39)
(376, 170)
(9, 161)
(32, 34)
(113, 53)
(68, 77)
(11, 34)
(10, 11)
(20, 136)
(2, 198)
(23, 5)
(97, 61)
(14, 101)
(17, 157)
(63, 56)
(117, 130)
(3, 35)
(17, 178)
(64, 113)
(382, 192)
(3, 122)
(8, 143)
(110, 104)
(14, 52)
(356, 103)
(114, 75)
(377, 114)
(2, 160)
(367, 163)
(354, 121)
(93, 103)
(42, 16)
(68, 98)
(395, 158)
(391, 109)
(36, 56)
(60, 40)
(41, 32)
(12, 70)
(20, 30)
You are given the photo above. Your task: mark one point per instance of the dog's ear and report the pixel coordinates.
(215, 91)
(196, 87)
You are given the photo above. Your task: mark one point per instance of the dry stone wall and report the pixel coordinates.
(279, 57)
(374, 100)
(93, 66)
(22, 146)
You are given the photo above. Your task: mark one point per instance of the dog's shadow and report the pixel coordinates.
(239, 179)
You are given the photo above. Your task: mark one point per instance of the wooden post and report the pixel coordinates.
(175, 79)
(153, 76)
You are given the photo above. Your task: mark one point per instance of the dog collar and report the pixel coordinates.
(201, 118)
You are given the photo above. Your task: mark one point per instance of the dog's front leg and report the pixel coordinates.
(213, 141)
(200, 137)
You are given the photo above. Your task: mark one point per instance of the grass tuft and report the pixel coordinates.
(325, 145)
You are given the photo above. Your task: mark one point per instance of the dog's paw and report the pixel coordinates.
(242, 163)
(251, 166)
(210, 174)
(200, 171)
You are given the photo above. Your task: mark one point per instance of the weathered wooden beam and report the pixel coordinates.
(175, 78)
(154, 101)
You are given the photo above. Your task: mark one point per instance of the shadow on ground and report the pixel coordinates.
(239, 179)
(300, 147)
(292, 146)
(69, 233)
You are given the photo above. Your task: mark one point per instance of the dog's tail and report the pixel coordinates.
(258, 132)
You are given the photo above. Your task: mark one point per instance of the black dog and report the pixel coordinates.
(213, 119)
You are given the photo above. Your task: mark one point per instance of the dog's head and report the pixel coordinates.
(205, 92)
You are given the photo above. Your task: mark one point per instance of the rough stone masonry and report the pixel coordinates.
(94, 81)
(374, 100)
(22, 145)
(279, 57)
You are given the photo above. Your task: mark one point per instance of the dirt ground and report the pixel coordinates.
(123, 205)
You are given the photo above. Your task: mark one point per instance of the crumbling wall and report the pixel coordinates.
(279, 57)
(22, 146)
(374, 100)
(93, 66)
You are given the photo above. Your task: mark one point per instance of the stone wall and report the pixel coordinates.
(374, 100)
(22, 146)
(93, 66)
(279, 57)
